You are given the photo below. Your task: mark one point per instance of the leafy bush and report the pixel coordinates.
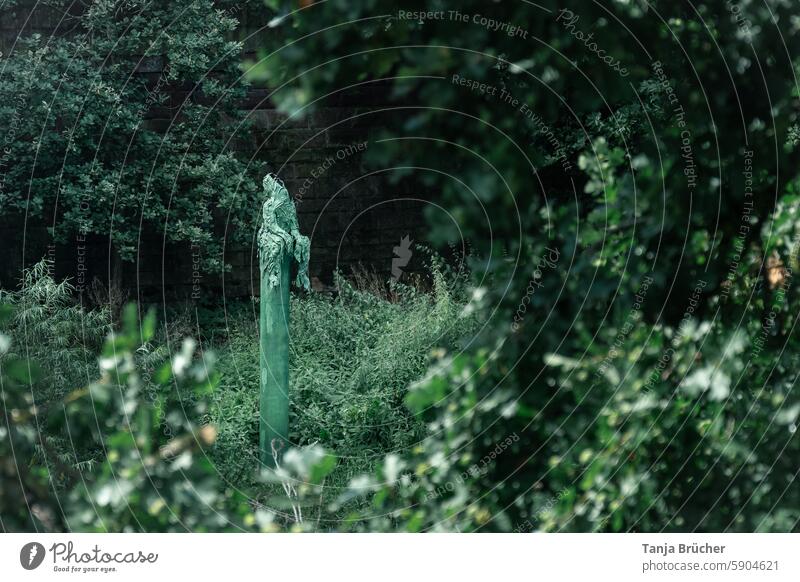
(636, 366)
(87, 156)
(154, 473)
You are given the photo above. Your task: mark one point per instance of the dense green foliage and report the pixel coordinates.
(650, 375)
(81, 151)
(630, 199)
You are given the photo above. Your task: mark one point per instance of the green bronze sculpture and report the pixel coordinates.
(279, 241)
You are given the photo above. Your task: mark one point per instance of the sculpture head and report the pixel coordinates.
(279, 233)
(273, 186)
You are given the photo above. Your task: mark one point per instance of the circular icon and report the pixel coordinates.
(31, 555)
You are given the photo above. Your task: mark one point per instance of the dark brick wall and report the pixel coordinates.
(353, 219)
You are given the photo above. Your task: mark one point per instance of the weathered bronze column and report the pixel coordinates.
(279, 241)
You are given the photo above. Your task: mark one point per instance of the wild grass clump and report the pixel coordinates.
(50, 327)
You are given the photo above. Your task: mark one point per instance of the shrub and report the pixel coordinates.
(84, 154)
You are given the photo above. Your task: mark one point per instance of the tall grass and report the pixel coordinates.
(51, 328)
(351, 359)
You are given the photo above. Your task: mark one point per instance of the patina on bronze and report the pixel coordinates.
(279, 243)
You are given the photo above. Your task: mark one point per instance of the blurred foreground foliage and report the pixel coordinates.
(134, 460)
(650, 376)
